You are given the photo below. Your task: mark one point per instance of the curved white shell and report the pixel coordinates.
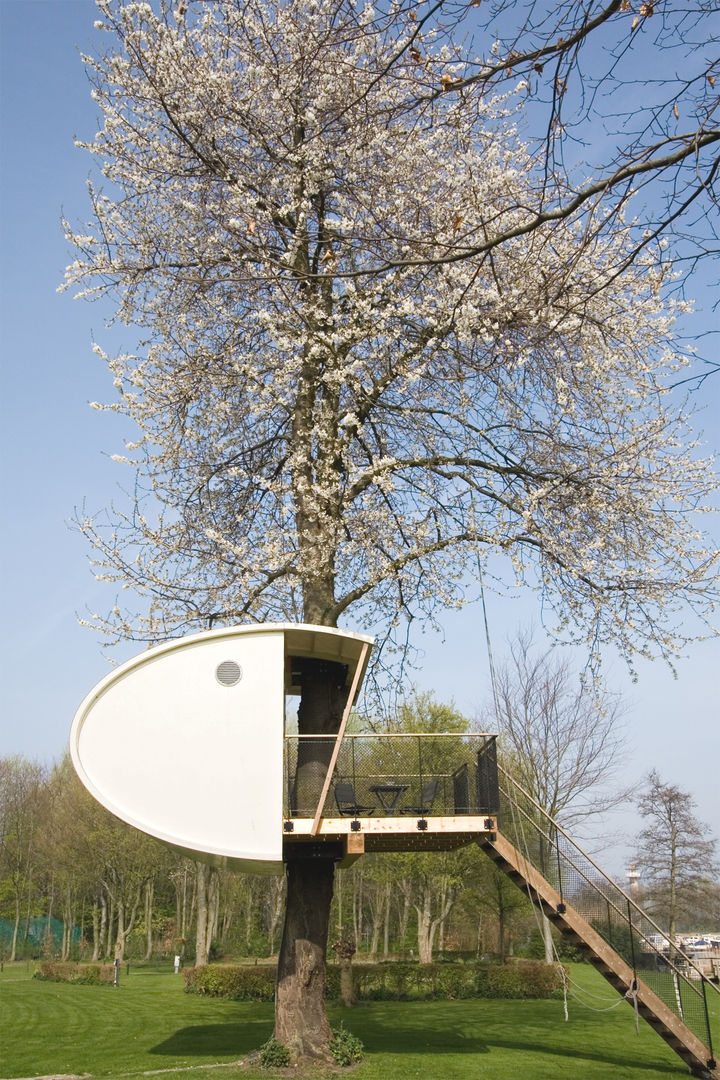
(195, 757)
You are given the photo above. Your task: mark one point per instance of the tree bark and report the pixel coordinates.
(107, 943)
(501, 935)
(425, 931)
(119, 949)
(149, 893)
(320, 712)
(301, 1021)
(16, 927)
(404, 912)
(97, 932)
(202, 945)
(275, 913)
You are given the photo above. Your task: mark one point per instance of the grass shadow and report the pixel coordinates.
(577, 1053)
(208, 1039)
(401, 1034)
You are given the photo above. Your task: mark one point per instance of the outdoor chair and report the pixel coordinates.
(347, 801)
(427, 798)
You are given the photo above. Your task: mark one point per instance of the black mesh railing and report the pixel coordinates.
(422, 775)
(612, 913)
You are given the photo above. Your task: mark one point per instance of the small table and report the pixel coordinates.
(388, 794)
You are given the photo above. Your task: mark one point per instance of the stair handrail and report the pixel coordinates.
(631, 903)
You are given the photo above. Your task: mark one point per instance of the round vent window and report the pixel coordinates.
(228, 673)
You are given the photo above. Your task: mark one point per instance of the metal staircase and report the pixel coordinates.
(618, 938)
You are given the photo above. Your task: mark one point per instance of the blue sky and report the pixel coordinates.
(56, 453)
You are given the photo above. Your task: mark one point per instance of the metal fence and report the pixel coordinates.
(613, 914)
(421, 775)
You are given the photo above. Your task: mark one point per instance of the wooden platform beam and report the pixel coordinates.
(342, 826)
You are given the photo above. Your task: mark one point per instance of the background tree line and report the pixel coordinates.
(77, 883)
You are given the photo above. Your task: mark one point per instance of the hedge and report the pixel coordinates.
(229, 981)
(83, 974)
(389, 981)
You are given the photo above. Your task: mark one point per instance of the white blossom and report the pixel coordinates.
(336, 410)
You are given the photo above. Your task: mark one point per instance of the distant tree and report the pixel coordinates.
(207, 890)
(126, 860)
(421, 712)
(68, 860)
(559, 737)
(676, 853)
(22, 798)
(559, 731)
(499, 896)
(429, 880)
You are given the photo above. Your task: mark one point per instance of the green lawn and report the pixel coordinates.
(149, 1025)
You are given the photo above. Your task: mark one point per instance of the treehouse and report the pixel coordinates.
(189, 742)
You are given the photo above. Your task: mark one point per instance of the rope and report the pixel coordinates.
(632, 995)
(564, 977)
(519, 831)
(570, 987)
(580, 990)
(491, 661)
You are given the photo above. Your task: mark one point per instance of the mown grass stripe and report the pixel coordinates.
(149, 1027)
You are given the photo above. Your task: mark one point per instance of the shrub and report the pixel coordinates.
(506, 981)
(388, 982)
(81, 974)
(521, 979)
(345, 1047)
(240, 983)
(274, 1054)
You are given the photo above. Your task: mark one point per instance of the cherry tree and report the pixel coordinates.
(622, 99)
(344, 396)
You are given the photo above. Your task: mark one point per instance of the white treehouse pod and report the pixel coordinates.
(185, 742)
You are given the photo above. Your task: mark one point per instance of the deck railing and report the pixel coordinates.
(418, 774)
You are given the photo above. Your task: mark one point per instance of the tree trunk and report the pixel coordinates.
(321, 707)
(202, 945)
(119, 949)
(404, 913)
(97, 930)
(68, 920)
(501, 935)
(301, 1022)
(16, 928)
(213, 900)
(249, 913)
(441, 927)
(375, 937)
(276, 905)
(425, 931)
(107, 944)
(149, 895)
(357, 906)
